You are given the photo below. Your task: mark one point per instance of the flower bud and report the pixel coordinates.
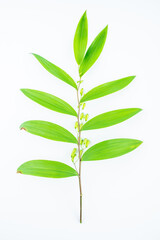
(81, 125)
(83, 106)
(81, 91)
(87, 143)
(81, 151)
(81, 116)
(81, 142)
(73, 154)
(76, 125)
(86, 117)
(74, 151)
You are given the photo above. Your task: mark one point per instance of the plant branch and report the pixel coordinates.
(79, 150)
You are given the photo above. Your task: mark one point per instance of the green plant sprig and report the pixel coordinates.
(111, 148)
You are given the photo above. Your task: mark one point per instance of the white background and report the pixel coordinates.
(121, 197)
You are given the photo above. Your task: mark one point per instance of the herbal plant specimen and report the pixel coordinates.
(103, 150)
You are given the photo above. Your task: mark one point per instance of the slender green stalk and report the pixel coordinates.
(79, 150)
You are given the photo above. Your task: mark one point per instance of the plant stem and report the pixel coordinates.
(79, 150)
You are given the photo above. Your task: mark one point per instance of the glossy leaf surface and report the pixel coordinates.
(56, 71)
(110, 149)
(81, 38)
(110, 118)
(93, 52)
(48, 130)
(46, 168)
(106, 88)
(49, 101)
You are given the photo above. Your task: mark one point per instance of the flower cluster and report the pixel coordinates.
(84, 143)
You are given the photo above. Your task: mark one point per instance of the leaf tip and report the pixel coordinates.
(85, 12)
(133, 77)
(22, 90)
(140, 109)
(84, 15)
(137, 110)
(35, 55)
(22, 128)
(139, 142)
(18, 171)
(106, 28)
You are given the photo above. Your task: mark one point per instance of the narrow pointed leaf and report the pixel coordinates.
(46, 168)
(48, 130)
(106, 89)
(110, 118)
(49, 101)
(110, 149)
(56, 71)
(93, 52)
(81, 38)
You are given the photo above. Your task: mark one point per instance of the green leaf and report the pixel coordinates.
(81, 38)
(93, 52)
(48, 130)
(46, 168)
(106, 88)
(56, 71)
(110, 149)
(49, 101)
(110, 118)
